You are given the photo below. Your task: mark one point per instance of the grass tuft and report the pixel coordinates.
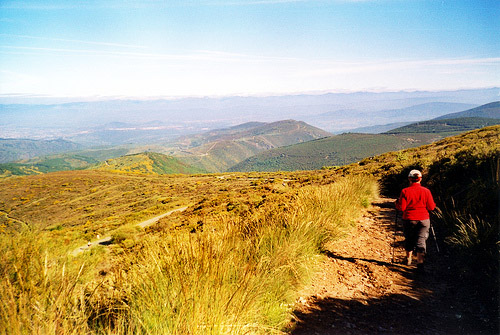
(237, 273)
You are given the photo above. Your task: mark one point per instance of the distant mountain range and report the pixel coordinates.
(334, 112)
(349, 148)
(251, 146)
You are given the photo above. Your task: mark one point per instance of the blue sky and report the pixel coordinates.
(157, 48)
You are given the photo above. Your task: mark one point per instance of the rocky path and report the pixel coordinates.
(361, 291)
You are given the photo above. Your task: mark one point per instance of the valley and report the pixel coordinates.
(286, 145)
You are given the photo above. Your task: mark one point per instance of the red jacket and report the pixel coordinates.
(415, 201)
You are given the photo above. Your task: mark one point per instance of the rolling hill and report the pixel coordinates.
(435, 158)
(453, 123)
(491, 111)
(61, 162)
(16, 149)
(212, 151)
(47, 164)
(332, 151)
(446, 126)
(352, 147)
(218, 150)
(147, 163)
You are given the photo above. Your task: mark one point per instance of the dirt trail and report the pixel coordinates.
(360, 290)
(107, 239)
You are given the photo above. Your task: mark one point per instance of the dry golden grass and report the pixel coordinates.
(74, 206)
(232, 263)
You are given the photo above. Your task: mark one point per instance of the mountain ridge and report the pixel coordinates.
(490, 110)
(216, 151)
(334, 151)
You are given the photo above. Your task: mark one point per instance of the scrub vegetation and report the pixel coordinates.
(234, 261)
(219, 268)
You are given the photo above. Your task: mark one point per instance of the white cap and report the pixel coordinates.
(415, 174)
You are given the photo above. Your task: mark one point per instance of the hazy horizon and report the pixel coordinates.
(216, 48)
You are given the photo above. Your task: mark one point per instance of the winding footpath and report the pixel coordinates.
(361, 291)
(107, 239)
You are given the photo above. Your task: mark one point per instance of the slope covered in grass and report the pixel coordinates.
(147, 163)
(234, 261)
(335, 150)
(217, 150)
(235, 271)
(62, 162)
(463, 173)
(16, 149)
(446, 126)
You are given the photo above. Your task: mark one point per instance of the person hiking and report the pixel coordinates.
(415, 202)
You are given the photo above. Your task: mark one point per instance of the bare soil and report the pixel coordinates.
(361, 290)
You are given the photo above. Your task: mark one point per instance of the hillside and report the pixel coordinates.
(491, 111)
(454, 123)
(216, 151)
(479, 142)
(231, 133)
(332, 151)
(446, 127)
(266, 252)
(47, 164)
(213, 151)
(16, 149)
(62, 162)
(147, 163)
(350, 119)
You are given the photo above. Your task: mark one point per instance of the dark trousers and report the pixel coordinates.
(416, 233)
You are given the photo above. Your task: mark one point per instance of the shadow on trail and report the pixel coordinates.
(421, 313)
(393, 314)
(431, 306)
(395, 267)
